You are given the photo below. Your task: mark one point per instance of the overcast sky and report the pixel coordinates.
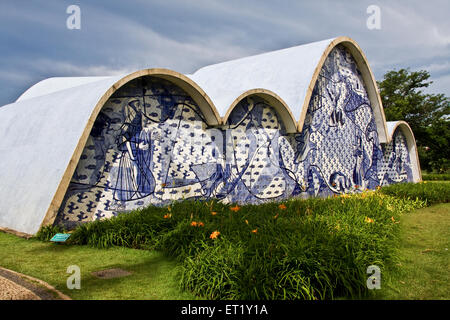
(122, 36)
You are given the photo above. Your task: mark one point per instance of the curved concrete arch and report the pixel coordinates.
(368, 78)
(45, 131)
(392, 127)
(52, 85)
(274, 100)
(204, 102)
(286, 72)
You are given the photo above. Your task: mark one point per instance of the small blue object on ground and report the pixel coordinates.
(60, 237)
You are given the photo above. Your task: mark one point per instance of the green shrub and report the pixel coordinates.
(305, 249)
(436, 176)
(432, 192)
(318, 253)
(47, 232)
(137, 229)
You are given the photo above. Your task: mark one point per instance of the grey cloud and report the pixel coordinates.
(120, 36)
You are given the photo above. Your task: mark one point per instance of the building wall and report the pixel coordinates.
(396, 164)
(151, 145)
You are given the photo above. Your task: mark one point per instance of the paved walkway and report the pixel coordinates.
(16, 286)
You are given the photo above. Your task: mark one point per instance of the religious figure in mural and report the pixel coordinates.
(134, 177)
(338, 147)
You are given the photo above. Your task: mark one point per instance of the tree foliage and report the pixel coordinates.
(428, 114)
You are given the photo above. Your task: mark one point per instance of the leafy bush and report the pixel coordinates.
(215, 271)
(432, 192)
(298, 249)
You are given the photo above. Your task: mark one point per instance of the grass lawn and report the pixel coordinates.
(153, 274)
(319, 229)
(423, 269)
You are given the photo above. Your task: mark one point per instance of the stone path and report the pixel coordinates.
(16, 286)
(9, 290)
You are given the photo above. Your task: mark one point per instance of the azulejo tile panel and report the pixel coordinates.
(151, 145)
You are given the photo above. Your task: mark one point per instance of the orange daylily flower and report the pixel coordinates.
(193, 223)
(200, 224)
(235, 209)
(213, 213)
(255, 231)
(368, 220)
(214, 235)
(167, 216)
(282, 206)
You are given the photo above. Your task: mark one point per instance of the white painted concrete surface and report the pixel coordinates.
(39, 136)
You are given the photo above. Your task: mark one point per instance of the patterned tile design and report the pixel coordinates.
(151, 145)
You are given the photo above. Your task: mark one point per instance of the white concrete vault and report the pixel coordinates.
(289, 75)
(404, 127)
(46, 129)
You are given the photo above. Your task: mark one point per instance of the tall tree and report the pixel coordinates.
(428, 114)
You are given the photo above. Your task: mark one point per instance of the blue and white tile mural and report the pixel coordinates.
(151, 145)
(396, 162)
